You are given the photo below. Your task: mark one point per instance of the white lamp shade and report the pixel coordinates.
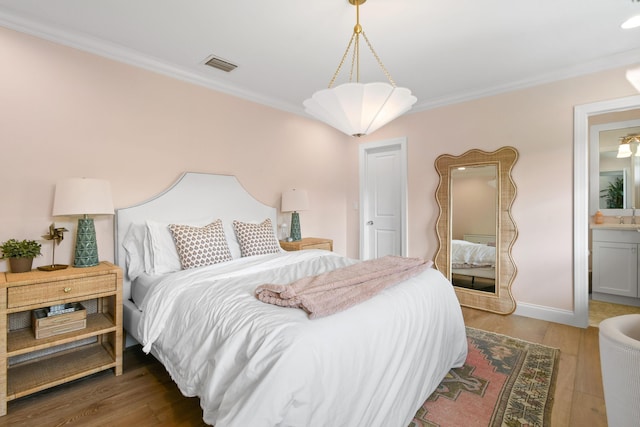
(359, 108)
(294, 200)
(634, 78)
(82, 196)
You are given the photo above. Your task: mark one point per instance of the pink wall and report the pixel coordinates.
(68, 113)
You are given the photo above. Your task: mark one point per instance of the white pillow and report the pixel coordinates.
(232, 241)
(133, 244)
(164, 256)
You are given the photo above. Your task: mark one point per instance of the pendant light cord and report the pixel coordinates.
(355, 60)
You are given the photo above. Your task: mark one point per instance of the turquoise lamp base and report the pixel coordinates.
(296, 234)
(86, 254)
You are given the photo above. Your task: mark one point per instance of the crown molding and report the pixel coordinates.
(628, 58)
(135, 58)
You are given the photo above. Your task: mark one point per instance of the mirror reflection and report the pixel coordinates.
(615, 162)
(474, 201)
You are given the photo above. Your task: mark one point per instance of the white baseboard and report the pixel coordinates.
(550, 314)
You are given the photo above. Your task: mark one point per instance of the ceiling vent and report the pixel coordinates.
(220, 64)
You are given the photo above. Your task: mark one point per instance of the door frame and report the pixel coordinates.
(581, 114)
(400, 145)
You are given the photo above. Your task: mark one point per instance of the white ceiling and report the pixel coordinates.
(444, 51)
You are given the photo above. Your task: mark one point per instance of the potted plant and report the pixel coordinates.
(20, 254)
(614, 194)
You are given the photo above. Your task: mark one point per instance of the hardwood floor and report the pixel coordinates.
(145, 395)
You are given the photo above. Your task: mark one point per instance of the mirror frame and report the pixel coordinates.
(502, 301)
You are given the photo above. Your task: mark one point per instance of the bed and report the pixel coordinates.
(258, 364)
(474, 257)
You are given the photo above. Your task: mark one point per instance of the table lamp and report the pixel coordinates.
(83, 196)
(294, 201)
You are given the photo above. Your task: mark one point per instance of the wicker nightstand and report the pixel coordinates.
(96, 347)
(307, 243)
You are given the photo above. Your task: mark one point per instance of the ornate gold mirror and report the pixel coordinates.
(475, 228)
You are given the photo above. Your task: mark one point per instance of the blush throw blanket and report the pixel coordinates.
(337, 290)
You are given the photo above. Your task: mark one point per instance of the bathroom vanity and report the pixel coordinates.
(615, 259)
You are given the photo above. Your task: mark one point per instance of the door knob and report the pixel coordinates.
(369, 222)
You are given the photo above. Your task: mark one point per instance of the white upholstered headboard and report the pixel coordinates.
(193, 198)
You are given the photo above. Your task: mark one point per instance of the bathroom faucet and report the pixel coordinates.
(633, 215)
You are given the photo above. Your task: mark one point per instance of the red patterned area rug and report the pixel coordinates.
(504, 382)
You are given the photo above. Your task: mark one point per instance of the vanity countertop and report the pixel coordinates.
(615, 226)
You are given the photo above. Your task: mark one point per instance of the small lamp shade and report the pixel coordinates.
(83, 196)
(293, 201)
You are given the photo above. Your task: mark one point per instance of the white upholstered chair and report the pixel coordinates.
(620, 363)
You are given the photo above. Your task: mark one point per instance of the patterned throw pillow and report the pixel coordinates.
(256, 239)
(200, 246)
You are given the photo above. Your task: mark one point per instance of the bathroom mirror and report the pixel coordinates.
(614, 178)
(474, 195)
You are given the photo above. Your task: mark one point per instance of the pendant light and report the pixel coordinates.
(356, 108)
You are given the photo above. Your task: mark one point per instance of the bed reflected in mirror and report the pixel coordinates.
(474, 201)
(475, 228)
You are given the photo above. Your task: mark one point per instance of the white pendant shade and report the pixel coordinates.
(634, 78)
(359, 108)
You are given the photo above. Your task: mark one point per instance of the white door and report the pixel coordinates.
(383, 183)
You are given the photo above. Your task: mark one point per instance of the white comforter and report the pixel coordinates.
(469, 254)
(256, 364)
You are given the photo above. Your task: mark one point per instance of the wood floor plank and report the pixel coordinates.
(563, 337)
(589, 376)
(563, 393)
(588, 410)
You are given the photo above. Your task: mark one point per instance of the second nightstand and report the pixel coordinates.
(307, 243)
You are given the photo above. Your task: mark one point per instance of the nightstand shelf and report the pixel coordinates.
(22, 341)
(30, 377)
(29, 365)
